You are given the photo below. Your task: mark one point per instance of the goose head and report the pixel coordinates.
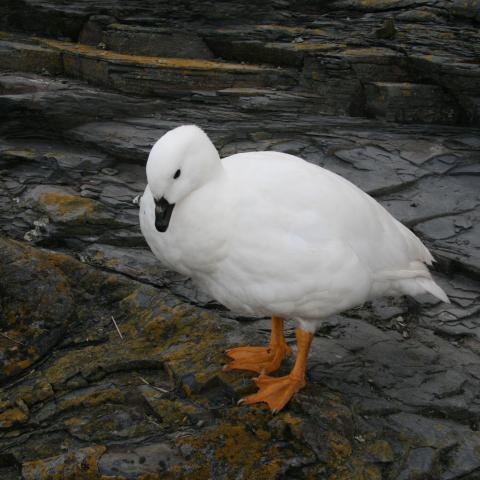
(180, 162)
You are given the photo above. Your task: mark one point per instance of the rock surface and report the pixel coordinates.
(394, 386)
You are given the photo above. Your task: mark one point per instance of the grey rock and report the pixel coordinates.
(134, 462)
(393, 385)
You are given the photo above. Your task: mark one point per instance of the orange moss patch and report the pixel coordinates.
(373, 51)
(371, 473)
(236, 448)
(340, 451)
(64, 203)
(17, 366)
(13, 416)
(321, 47)
(377, 3)
(381, 451)
(280, 28)
(21, 154)
(340, 446)
(91, 399)
(32, 394)
(66, 366)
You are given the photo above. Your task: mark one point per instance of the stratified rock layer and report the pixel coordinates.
(340, 58)
(393, 388)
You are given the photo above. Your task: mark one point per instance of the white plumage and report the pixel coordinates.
(268, 233)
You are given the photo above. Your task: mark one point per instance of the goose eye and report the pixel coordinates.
(177, 174)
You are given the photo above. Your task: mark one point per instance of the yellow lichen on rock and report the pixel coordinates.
(20, 154)
(12, 417)
(13, 366)
(369, 52)
(340, 446)
(77, 464)
(381, 451)
(171, 413)
(41, 391)
(312, 47)
(91, 398)
(235, 447)
(148, 61)
(61, 204)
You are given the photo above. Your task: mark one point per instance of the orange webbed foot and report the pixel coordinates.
(275, 391)
(257, 359)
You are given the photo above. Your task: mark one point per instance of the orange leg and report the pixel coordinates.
(277, 391)
(261, 359)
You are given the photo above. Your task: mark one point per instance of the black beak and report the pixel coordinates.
(163, 212)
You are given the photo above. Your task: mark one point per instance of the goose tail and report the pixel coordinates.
(413, 281)
(430, 286)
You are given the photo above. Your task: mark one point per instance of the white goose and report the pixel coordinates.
(268, 233)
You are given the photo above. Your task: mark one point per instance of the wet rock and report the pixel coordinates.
(106, 412)
(334, 59)
(107, 389)
(139, 461)
(141, 40)
(439, 434)
(34, 315)
(92, 31)
(32, 58)
(420, 462)
(393, 385)
(410, 103)
(176, 413)
(388, 31)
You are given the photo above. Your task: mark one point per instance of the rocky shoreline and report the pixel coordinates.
(85, 90)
